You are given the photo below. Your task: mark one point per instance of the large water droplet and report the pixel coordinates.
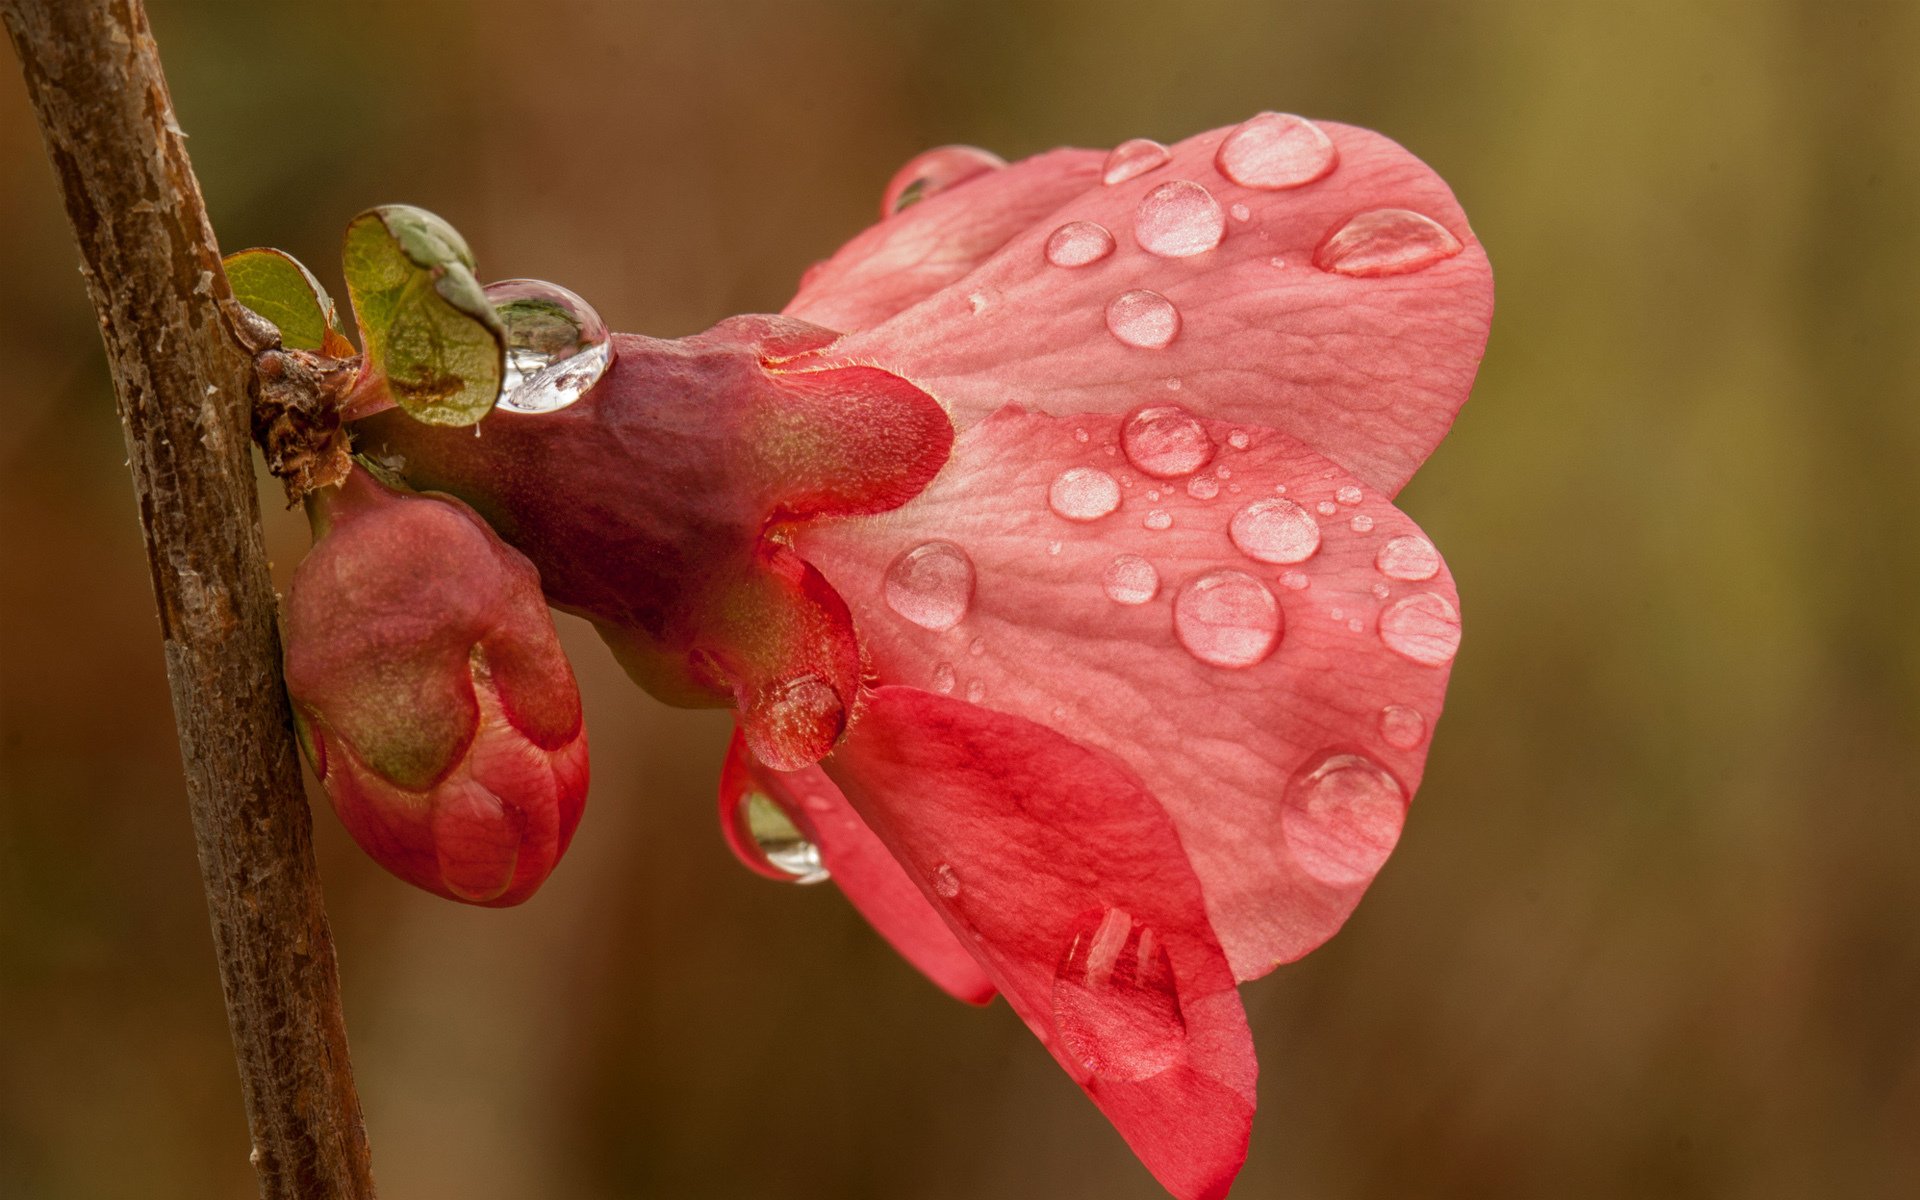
(795, 721)
(779, 841)
(1083, 494)
(1275, 531)
(934, 172)
(1342, 817)
(1276, 150)
(1179, 219)
(1133, 158)
(1131, 579)
(1401, 727)
(557, 346)
(1386, 241)
(1166, 441)
(1144, 319)
(1116, 1003)
(1078, 243)
(1424, 627)
(931, 585)
(1227, 619)
(1408, 557)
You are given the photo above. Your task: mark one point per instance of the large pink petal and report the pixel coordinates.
(913, 254)
(1056, 865)
(1288, 778)
(1367, 369)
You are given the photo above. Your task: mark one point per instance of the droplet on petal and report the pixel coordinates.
(1143, 319)
(946, 882)
(1083, 494)
(1179, 219)
(1276, 150)
(1240, 212)
(943, 679)
(1078, 243)
(1166, 441)
(1386, 241)
(934, 172)
(1326, 508)
(1202, 487)
(1239, 440)
(1116, 1002)
(1227, 619)
(1131, 579)
(777, 839)
(975, 691)
(557, 346)
(1361, 523)
(1158, 519)
(794, 722)
(1133, 158)
(1347, 493)
(1342, 818)
(931, 585)
(1424, 627)
(1401, 727)
(1275, 531)
(1408, 557)
(1295, 581)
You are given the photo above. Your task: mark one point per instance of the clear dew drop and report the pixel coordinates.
(1408, 557)
(1201, 487)
(1130, 579)
(779, 842)
(1083, 494)
(1158, 519)
(1116, 1002)
(1361, 523)
(1401, 727)
(1424, 627)
(1347, 493)
(1165, 441)
(1143, 319)
(1342, 817)
(1326, 508)
(557, 346)
(1133, 158)
(1227, 619)
(943, 679)
(935, 171)
(1295, 581)
(1240, 212)
(1078, 244)
(931, 585)
(1080, 435)
(1275, 531)
(1355, 625)
(1179, 219)
(1386, 241)
(946, 882)
(1276, 150)
(977, 647)
(1239, 440)
(975, 691)
(1380, 591)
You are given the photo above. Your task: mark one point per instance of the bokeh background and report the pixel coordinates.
(1654, 930)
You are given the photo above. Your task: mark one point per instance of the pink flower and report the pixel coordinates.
(1046, 546)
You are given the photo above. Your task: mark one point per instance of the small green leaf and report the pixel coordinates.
(274, 284)
(424, 320)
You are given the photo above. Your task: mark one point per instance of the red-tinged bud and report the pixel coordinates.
(431, 693)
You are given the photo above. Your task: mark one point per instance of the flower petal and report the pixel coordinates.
(1061, 871)
(1366, 367)
(1287, 777)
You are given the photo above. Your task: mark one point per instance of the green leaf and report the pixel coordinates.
(424, 321)
(274, 284)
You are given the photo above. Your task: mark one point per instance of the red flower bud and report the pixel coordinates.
(431, 693)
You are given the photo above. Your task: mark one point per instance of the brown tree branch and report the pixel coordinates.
(168, 321)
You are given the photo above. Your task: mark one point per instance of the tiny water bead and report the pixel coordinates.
(943, 678)
(777, 839)
(1166, 441)
(1079, 243)
(1295, 581)
(1276, 150)
(975, 691)
(1116, 1001)
(795, 721)
(931, 585)
(1240, 212)
(1179, 219)
(1130, 579)
(1202, 487)
(1401, 727)
(1083, 494)
(1347, 493)
(1275, 531)
(934, 172)
(1158, 519)
(946, 882)
(1133, 158)
(1424, 627)
(1386, 241)
(1143, 319)
(557, 346)
(1326, 508)
(1239, 440)
(1361, 523)
(1227, 619)
(1342, 818)
(1409, 558)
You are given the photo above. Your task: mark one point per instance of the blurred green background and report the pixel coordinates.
(1654, 930)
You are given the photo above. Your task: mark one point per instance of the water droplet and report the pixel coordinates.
(1053, 548)
(1223, 471)
(943, 679)
(1173, 383)
(946, 882)
(1143, 319)
(1133, 158)
(1361, 523)
(934, 172)
(931, 585)
(790, 724)
(1277, 261)
(981, 301)
(1386, 241)
(1131, 579)
(1116, 1002)
(1408, 557)
(1079, 435)
(1240, 212)
(1179, 219)
(1424, 627)
(1276, 150)
(975, 691)
(1166, 441)
(1347, 493)
(977, 647)
(1078, 243)
(557, 346)
(1158, 519)
(1200, 487)
(1275, 531)
(1380, 591)
(776, 837)
(1153, 494)
(1279, 489)
(1296, 581)
(1239, 440)
(1083, 494)
(1342, 818)
(1326, 508)
(1227, 619)
(1401, 727)
(1355, 625)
